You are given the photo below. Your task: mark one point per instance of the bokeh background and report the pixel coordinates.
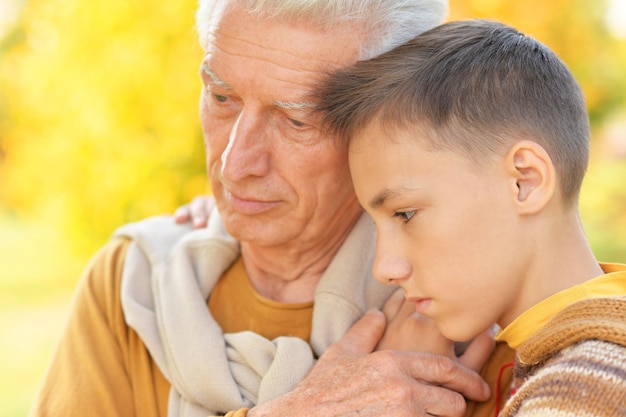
(99, 126)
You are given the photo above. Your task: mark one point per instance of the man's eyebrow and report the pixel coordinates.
(288, 105)
(217, 80)
(297, 105)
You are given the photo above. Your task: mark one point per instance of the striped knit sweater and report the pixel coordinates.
(575, 365)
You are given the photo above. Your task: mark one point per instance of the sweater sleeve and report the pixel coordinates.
(89, 370)
(588, 378)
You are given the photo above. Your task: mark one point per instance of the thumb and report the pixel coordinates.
(364, 334)
(477, 353)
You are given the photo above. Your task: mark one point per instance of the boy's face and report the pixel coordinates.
(447, 230)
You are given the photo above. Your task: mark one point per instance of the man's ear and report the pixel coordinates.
(532, 176)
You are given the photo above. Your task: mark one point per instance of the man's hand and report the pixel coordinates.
(197, 212)
(348, 380)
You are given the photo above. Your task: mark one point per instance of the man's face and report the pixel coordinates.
(274, 175)
(448, 233)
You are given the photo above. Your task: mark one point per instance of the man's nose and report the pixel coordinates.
(248, 150)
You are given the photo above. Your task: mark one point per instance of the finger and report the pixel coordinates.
(440, 401)
(446, 372)
(182, 214)
(363, 336)
(477, 353)
(394, 304)
(200, 209)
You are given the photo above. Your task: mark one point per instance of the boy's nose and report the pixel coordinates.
(389, 267)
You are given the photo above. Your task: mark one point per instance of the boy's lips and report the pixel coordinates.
(421, 304)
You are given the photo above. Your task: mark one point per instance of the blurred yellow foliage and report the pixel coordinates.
(99, 126)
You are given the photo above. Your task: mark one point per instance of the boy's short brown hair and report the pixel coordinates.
(473, 86)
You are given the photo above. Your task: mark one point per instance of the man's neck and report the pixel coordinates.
(290, 273)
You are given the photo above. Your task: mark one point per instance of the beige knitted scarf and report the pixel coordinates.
(168, 275)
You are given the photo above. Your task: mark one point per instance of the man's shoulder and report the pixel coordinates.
(156, 227)
(156, 235)
(159, 237)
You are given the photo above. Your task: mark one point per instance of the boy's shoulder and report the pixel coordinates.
(587, 376)
(599, 318)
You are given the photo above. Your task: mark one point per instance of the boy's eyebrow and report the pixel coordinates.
(387, 194)
(380, 198)
(217, 80)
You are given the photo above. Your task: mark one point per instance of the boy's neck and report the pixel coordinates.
(563, 259)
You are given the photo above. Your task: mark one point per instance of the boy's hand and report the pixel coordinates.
(409, 331)
(197, 212)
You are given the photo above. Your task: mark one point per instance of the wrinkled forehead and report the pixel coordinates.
(337, 45)
(270, 59)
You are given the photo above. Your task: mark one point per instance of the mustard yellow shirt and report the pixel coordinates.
(102, 368)
(533, 319)
(236, 306)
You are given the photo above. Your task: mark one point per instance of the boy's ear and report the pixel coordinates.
(532, 174)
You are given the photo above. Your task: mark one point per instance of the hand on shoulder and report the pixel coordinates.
(197, 211)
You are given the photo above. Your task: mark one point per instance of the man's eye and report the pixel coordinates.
(405, 216)
(220, 98)
(297, 123)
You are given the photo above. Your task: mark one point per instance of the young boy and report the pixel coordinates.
(468, 146)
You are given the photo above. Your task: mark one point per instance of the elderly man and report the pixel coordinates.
(232, 318)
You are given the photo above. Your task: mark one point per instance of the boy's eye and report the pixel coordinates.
(405, 216)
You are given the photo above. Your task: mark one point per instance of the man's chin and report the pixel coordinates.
(257, 230)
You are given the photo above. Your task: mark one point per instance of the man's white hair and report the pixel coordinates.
(387, 23)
